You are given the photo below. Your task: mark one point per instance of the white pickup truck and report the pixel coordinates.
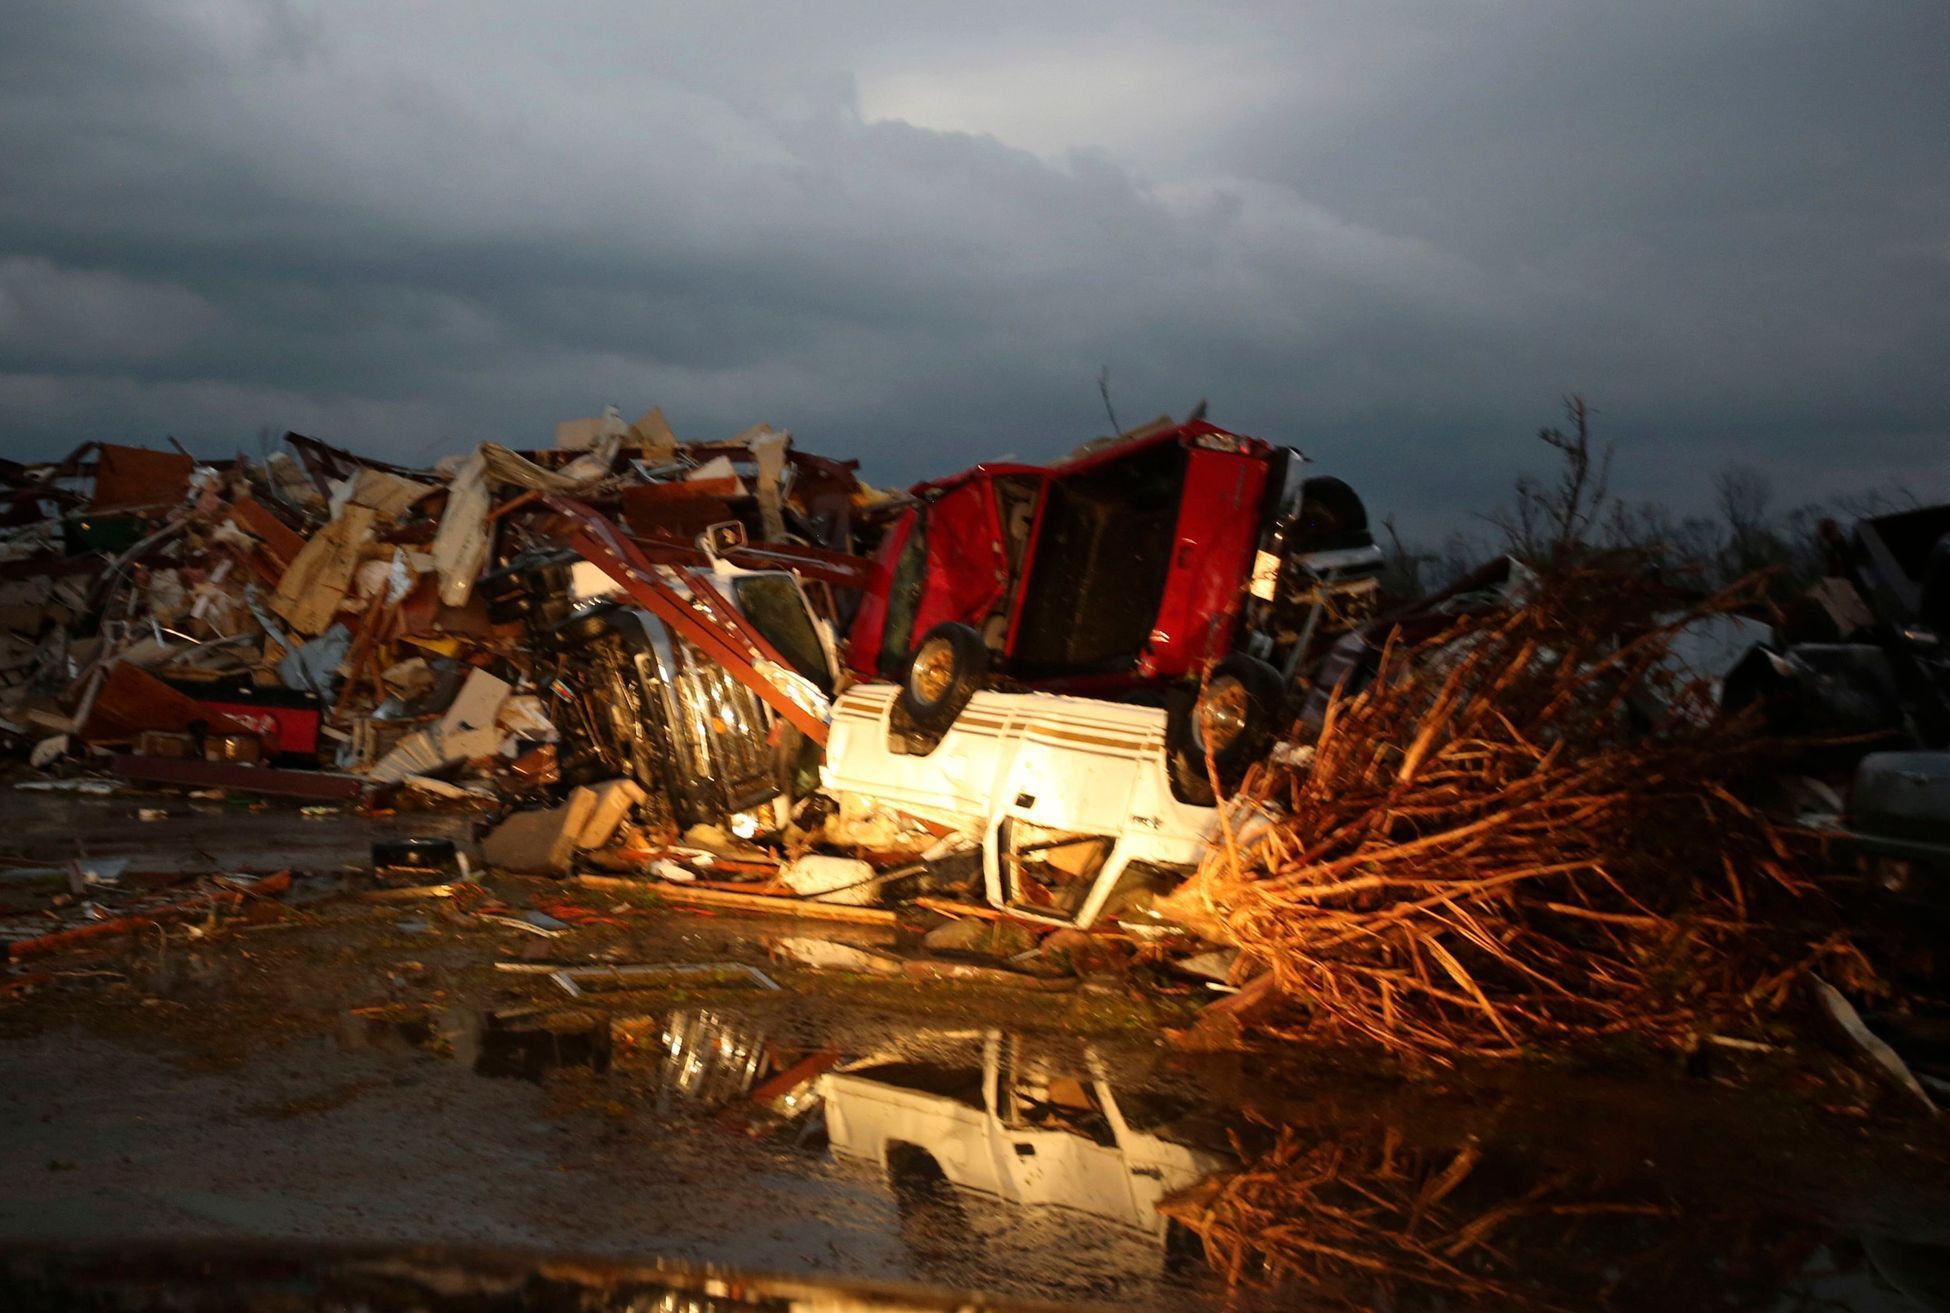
(1070, 798)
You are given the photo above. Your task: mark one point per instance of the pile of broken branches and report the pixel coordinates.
(1527, 830)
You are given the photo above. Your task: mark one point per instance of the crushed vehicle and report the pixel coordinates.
(1885, 677)
(1899, 820)
(1070, 799)
(1018, 1126)
(634, 698)
(1121, 572)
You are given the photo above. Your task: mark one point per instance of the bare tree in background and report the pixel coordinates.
(1546, 519)
(1401, 565)
(1743, 495)
(1548, 522)
(1650, 528)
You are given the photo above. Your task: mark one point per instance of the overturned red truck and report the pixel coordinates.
(1126, 571)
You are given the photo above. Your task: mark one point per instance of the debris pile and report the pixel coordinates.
(318, 625)
(1527, 830)
(1530, 812)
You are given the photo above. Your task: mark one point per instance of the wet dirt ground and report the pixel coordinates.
(343, 1072)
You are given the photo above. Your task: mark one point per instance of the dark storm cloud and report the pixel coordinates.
(1391, 233)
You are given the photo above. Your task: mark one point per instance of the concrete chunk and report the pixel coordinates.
(540, 842)
(610, 802)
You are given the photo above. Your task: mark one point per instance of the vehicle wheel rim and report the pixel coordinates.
(933, 672)
(1222, 713)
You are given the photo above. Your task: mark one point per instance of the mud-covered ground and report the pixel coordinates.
(336, 1072)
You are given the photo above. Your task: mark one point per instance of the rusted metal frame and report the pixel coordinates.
(600, 542)
(669, 553)
(837, 568)
(841, 568)
(324, 462)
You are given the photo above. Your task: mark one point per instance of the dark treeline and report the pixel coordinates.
(1749, 529)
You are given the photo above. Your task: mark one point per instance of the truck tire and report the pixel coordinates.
(1331, 516)
(1242, 702)
(946, 670)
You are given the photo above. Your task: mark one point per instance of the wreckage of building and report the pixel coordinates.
(610, 642)
(737, 669)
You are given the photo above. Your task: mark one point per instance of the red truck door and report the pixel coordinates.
(1211, 564)
(964, 572)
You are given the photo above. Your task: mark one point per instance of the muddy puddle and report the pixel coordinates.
(695, 1093)
(196, 1279)
(1097, 1173)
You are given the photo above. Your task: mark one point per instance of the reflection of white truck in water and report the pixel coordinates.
(1015, 1126)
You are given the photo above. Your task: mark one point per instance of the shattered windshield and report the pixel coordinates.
(774, 605)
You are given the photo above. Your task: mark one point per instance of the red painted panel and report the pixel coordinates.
(287, 731)
(1218, 532)
(870, 621)
(968, 565)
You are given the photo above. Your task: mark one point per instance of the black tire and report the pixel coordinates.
(1253, 697)
(948, 666)
(1331, 516)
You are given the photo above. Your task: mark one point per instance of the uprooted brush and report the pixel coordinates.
(1528, 829)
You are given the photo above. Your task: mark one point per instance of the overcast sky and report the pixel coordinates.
(1390, 233)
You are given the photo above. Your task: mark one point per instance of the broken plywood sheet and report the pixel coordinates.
(387, 495)
(768, 450)
(131, 700)
(582, 434)
(719, 475)
(652, 433)
(310, 593)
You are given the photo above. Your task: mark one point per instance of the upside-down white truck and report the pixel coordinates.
(1070, 798)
